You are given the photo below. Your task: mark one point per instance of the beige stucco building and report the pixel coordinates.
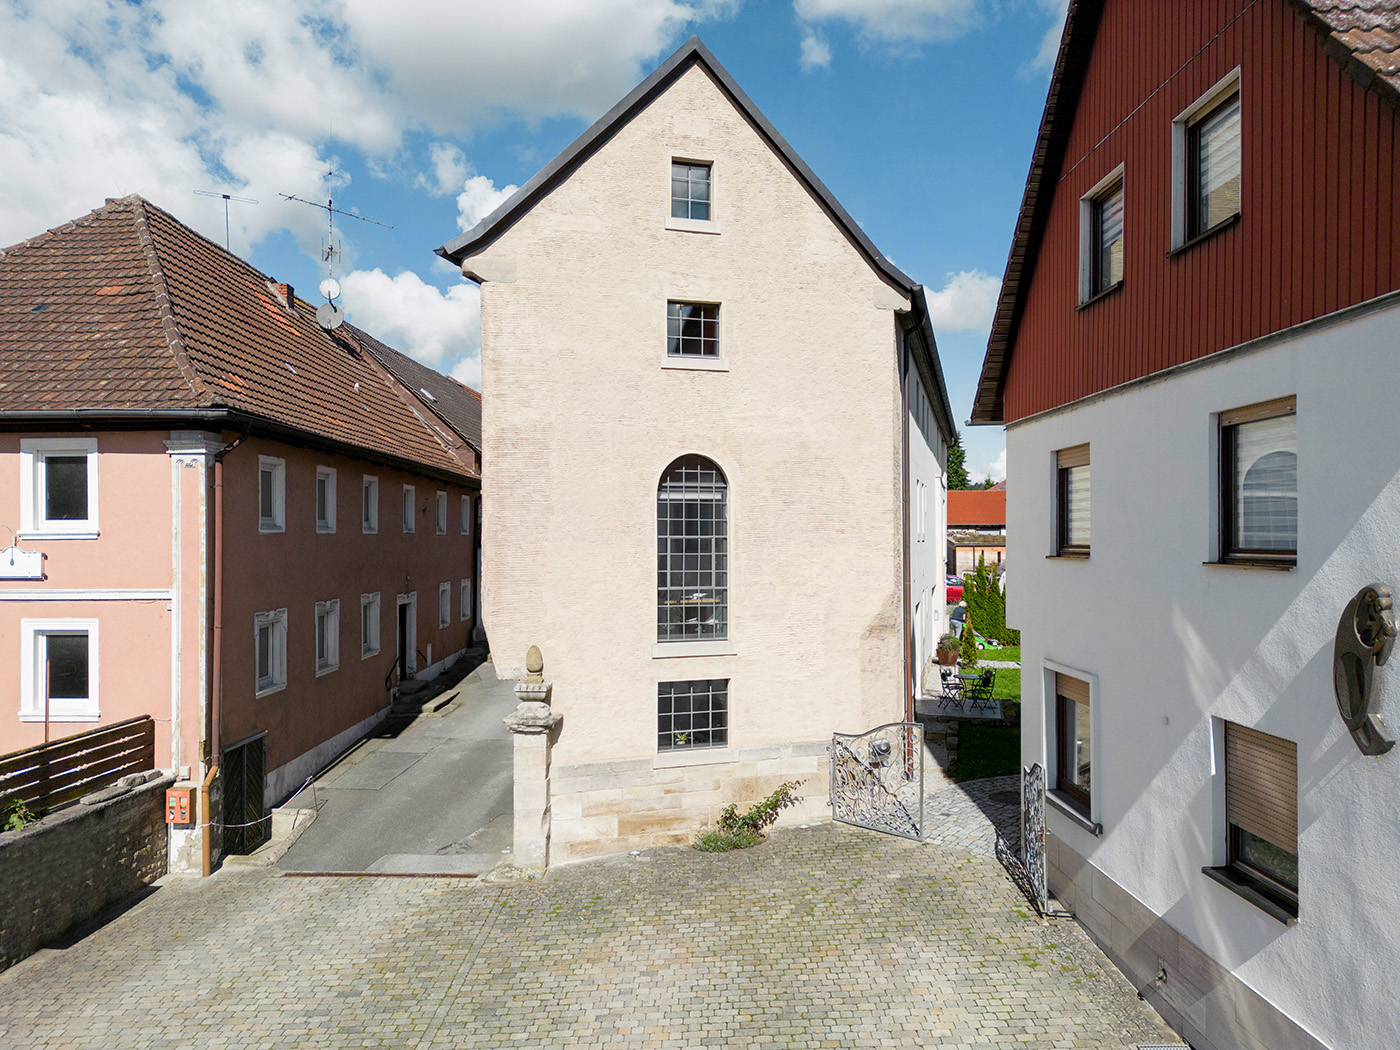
(714, 432)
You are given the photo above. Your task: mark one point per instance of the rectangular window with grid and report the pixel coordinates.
(690, 190)
(692, 329)
(692, 555)
(691, 715)
(1259, 483)
(1072, 482)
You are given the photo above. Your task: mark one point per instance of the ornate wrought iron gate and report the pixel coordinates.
(877, 779)
(242, 771)
(1033, 833)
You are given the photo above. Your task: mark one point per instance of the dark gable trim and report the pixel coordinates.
(919, 336)
(1076, 45)
(561, 167)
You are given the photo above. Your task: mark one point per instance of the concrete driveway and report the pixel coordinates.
(433, 799)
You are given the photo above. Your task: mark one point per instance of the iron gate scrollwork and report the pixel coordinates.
(1033, 833)
(877, 779)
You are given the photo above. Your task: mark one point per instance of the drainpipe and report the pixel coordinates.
(907, 629)
(216, 692)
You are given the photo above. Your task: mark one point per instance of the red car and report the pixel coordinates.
(955, 589)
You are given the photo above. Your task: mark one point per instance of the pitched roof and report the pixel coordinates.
(968, 507)
(692, 52)
(126, 313)
(1363, 36)
(458, 404)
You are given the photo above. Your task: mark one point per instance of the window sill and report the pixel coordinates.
(695, 756)
(58, 534)
(369, 532)
(697, 364)
(328, 669)
(365, 655)
(1236, 883)
(718, 647)
(38, 716)
(1097, 296)
(692, 225)
(270, 690)
(1068, 555)
(265, 527)
(1204, 235)
(1071, 810)
(1277, 564)
(324, 529)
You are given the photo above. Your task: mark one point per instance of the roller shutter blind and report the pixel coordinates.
(1261, 785)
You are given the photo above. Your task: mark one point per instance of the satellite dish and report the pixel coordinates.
(329, 316)
(330, 288)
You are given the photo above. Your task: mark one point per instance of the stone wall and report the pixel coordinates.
(611, 807)
(72, 864)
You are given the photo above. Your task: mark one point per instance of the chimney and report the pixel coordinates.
(284, 292)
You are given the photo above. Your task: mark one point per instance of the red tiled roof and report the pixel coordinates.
(127, 310)
(1364, 35)
(968, 507)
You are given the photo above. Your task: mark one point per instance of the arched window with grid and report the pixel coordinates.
(692, 552)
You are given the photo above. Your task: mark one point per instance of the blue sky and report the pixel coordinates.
(920, 115)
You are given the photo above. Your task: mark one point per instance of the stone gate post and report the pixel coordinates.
(532, 724)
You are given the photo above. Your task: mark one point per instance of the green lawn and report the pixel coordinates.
(987, 751)
(1008, 684)
(1011, 652)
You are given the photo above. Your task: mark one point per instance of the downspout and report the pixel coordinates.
(216, 691)
(906, 625)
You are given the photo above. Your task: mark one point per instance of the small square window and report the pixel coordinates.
(466, 511)
(272, 494)
(327, 636)
(465, 611)
(325, 499)
(369, 625)
(1073, 759)
(369, 504)
(690, 190)
(692, 329)
(410, 507)
(442, 513)
(444, 604)
(1259, 483)
(59, 670)
(1072, 497)
(692, 715)
(270, 651)
(1213, 166)
(58, 487)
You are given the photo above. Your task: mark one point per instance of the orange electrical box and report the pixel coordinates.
(179, 805)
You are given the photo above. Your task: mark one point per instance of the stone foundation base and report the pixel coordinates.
(611, 807)
(1211, 1007)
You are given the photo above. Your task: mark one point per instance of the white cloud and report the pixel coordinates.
(450, 170)
(816, 53)
(478, 199)
(996, 470)
(967, 301)
(891, 22)
(442, 330)
(468, 371)
(1044, 60)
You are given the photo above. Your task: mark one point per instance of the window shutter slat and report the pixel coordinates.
(1283, 406)
(1075, 689)
(1073, 457)
(1261, 785)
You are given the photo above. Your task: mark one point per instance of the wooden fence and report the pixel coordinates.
(50, 776)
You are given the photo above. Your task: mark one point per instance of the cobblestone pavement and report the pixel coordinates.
(823, 936)
(969, 816)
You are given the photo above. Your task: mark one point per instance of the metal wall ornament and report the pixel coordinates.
(1365, 636)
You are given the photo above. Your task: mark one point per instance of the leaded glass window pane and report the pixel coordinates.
(692, 572)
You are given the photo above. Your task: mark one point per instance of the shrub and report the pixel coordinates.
(735, 830)
(968, 655)
(985, 599)
(16, 815)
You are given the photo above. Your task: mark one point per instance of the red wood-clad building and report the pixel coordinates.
(1196, 354)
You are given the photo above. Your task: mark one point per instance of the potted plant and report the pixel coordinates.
(948, 648)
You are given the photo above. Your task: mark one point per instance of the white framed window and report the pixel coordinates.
(369, 625)
(325, 499)
(691, 190)
(369, 504)
(270, 651)
(465, 608)
(1206, 162)
(444, 604)
(410, 504)
(58, 487)
(1072, 714)
(1072, 501)
(692, 329)
(1101, 236)
(59, 670)
(272, 494)
(442, 513)
(692, 552)
(327, 636)
(466, 515)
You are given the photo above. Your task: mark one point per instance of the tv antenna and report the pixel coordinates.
(226, 198)
(328, 315)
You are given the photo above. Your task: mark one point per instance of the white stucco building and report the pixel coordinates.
(714, 435)
(1195, 355)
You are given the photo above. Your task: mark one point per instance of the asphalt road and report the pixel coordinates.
(436, 798)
